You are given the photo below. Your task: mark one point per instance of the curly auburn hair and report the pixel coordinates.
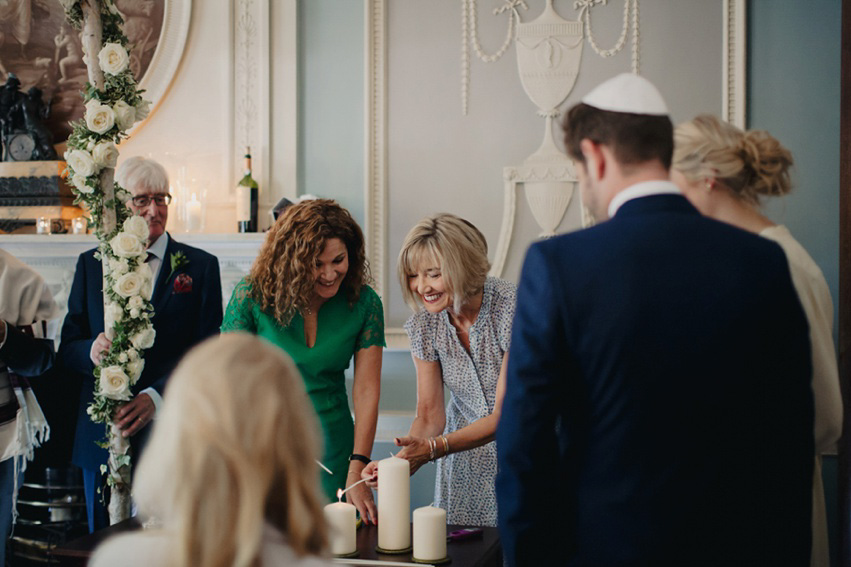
(282, 277)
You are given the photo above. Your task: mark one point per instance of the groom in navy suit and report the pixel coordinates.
(187, 300)
(658, 409)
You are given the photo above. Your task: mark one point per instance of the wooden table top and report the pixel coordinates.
(485, 551)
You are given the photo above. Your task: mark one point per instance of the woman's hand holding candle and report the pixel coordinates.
(417, 451)
(361, 496)
(370, 474)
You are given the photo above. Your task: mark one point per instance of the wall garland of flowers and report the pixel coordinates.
(113, 103)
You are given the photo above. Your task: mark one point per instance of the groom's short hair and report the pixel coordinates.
(634, 138)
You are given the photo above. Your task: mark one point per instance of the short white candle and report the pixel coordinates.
(394, 504)
(79, 225)
(429, 533)
(342, 527)
(193, 214)
(42, 225)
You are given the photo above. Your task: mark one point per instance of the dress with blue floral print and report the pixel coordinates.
(464, 486)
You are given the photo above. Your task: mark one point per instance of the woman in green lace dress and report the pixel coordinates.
(307, 293)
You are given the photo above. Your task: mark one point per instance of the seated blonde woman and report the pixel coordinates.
(225, 473)
(726, 173)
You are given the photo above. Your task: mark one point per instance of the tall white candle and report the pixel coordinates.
(342, 527)
(193, 214)
(429, 533)
(394, 504)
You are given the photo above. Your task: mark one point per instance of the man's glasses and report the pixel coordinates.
(160, 199)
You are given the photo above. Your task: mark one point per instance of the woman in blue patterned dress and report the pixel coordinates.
(460, 334)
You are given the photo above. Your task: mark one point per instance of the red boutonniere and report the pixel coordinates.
(182, 284)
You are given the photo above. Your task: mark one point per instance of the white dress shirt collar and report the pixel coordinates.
(159, 246)
(643, 189)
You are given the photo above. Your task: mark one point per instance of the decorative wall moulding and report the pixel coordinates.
(175, 28)
(543, 31)
(734, 61)
(250, 96)
(376, 154)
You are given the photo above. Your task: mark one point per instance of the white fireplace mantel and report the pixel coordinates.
(55, 256)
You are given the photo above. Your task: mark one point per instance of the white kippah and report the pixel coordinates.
(627, 93)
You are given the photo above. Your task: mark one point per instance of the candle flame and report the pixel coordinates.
(340, 494)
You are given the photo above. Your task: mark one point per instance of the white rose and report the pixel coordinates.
(147, 290)
(135, 369)
(136, 302)
(81, 162)
(105, 154)
(128, 285)
(125, 115)
(144, 338)
(122, 357)
(118, 266)
(138, 227)
(132, 354)
(144, 270)
(122, 195)
(134, 313)
(99, 117)
(143, 109)
(126, 245)
(79, 181)
(114, 383)
(113, 59)
(113, 314)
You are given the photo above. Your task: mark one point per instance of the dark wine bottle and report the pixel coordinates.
(246, 198)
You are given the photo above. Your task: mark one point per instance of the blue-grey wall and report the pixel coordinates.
(793, 92)
(331, 101)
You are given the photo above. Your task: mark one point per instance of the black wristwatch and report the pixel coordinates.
(362, 458)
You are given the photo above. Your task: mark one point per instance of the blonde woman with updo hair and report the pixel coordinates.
(726, 173)
(224, 473)
(460, 333)
(308, 294)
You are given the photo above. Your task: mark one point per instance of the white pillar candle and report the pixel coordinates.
(394, 504)
(193, 214)
(342, 527)
(429, 533)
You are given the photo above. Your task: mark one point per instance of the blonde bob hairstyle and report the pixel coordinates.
(234, 448)
(751, 164)
(452, 245)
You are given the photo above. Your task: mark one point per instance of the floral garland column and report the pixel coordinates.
(113, 104)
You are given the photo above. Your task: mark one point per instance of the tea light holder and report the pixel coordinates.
(79, 225)
(42, 225)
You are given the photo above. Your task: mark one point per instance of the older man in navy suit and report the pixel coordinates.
(187, 300)
(658, 409)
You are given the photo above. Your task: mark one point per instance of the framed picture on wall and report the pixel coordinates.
(44, 51)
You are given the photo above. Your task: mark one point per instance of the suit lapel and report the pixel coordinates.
(163, 288)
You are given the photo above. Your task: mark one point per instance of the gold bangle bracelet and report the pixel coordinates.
(445, 445)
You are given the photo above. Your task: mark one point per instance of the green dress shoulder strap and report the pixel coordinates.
(239, 315)
(372, 332)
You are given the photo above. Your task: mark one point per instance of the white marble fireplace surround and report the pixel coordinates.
(55, 257)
